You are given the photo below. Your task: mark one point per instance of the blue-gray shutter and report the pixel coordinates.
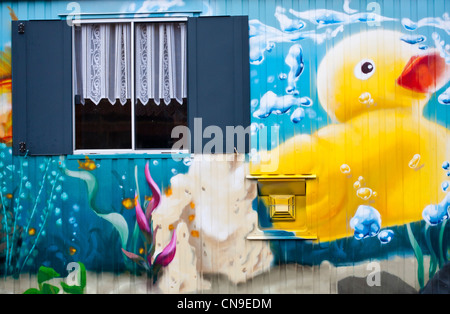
(42, 87)
(218, 77)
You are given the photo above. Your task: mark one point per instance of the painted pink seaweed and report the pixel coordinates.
(152, 264)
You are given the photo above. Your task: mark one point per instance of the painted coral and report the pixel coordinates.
(152, 263)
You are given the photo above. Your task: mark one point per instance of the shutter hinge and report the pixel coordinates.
(22, 147)
(21, 28)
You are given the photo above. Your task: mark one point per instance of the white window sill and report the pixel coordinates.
(127, 153)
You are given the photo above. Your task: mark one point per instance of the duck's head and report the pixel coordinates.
(377, 70)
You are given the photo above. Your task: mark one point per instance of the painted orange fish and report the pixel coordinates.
(88, 164)
(72, 250)
(129, 203)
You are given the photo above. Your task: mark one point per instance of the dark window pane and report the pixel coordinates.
(103, 126)
(154, 123)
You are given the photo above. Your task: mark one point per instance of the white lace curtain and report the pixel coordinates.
(160, 62)
(103, 62)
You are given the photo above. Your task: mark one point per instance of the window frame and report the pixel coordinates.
(133, 149)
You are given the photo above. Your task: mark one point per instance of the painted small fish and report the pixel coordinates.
(88, 164)
(129, 203)
(72, 250)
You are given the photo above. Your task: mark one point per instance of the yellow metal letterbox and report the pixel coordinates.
(282, 212)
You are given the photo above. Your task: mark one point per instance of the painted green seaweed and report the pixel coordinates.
(437, 258)
(433, 257)
(442, 255)
(47, 211)
(419, 256)
(116, 219)
(19, 236)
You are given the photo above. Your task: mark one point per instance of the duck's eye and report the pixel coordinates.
(364, 69)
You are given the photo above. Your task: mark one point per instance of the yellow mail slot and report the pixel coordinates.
(282, 207)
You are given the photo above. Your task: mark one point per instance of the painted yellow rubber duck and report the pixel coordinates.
(379, 150)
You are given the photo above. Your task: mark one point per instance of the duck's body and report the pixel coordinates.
(375, 142)
(377, 146)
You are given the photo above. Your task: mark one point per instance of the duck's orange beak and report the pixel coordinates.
(425, 73)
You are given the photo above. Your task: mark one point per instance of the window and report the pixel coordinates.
(57, 107)
(130, 85)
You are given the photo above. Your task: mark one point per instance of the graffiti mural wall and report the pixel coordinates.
(346, 181)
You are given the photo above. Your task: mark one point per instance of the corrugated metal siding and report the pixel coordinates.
(210, 203)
